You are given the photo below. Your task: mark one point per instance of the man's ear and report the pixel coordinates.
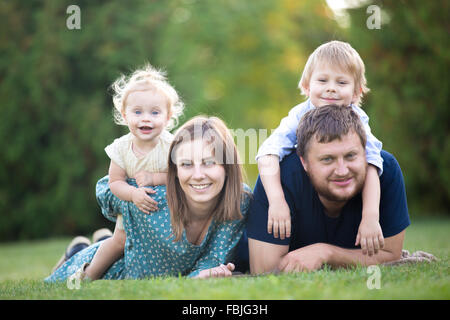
(304, 163)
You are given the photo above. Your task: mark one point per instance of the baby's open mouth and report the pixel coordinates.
(145, 129)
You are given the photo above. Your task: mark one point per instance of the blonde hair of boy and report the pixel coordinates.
(143, 79)
(341, 55)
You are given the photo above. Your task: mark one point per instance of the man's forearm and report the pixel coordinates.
(338, 257)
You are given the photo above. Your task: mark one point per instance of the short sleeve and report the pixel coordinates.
(115, 150)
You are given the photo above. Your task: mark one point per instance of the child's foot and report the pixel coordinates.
(77, 244)
(101, 234)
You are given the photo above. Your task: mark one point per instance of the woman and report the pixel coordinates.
(201, 217)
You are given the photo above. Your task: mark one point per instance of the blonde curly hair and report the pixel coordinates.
(142, 79)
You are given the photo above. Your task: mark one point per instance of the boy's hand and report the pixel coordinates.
(370, 236)
(279, 219)
(143, 178)
(142, 200)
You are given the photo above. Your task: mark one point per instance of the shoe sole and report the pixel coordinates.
(75, 241)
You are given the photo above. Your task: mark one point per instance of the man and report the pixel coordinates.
(322, 183)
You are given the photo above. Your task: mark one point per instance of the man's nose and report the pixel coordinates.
(341, 169)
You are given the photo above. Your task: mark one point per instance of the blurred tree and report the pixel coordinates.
(407, 63)
(240, 60)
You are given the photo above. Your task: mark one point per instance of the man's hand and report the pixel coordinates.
(308, 258)
(279, 219)
(370, 236)
(142, 200)
(217, 272)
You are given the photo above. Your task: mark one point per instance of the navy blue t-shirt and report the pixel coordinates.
(309, 222)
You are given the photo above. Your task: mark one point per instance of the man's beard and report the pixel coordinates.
(324, 191)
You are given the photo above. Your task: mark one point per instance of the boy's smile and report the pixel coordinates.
(331, 85)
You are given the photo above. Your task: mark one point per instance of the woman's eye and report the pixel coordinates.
(209, 162)
(185, 164)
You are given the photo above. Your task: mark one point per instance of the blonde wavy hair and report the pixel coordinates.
(142, 79)
(341, 55)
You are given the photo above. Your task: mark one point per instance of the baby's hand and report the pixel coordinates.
(143, 178)
(279, 219)
(143, 201)
(370, 236)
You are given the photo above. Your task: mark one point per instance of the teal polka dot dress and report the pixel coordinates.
(149, 248)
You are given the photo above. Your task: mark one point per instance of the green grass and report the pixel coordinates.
(23, 266)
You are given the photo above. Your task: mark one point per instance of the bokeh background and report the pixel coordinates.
(240, 60)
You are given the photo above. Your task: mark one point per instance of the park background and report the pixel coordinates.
(238, 60)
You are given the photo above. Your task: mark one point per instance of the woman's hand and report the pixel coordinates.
(217, 272)
(142, 200)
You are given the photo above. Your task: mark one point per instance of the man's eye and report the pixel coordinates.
(326, 159)
(350, 156)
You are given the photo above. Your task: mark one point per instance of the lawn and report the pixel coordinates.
(23, 265)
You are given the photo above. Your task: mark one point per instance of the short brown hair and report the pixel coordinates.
(214, 131)
(326, 124)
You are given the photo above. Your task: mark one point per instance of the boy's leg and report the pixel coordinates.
(109, 252)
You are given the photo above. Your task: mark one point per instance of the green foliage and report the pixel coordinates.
(407, 63)
(240, 60)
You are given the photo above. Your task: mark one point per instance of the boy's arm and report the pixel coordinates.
(269, 172)
(373, 145)
(284, 138)
(370, 235)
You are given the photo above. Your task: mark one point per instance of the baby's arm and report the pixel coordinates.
(145, 178)
(121, 189)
